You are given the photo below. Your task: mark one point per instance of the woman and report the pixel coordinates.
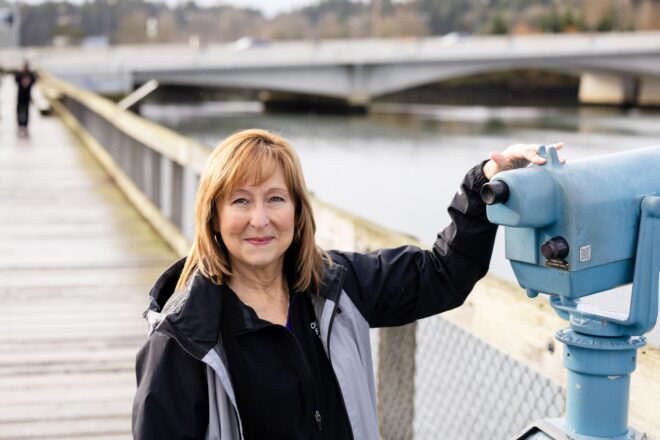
(259, 334)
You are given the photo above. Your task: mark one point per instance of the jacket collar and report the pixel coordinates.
(192, 316)
(333, 280)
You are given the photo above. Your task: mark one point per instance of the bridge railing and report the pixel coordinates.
(484, 370)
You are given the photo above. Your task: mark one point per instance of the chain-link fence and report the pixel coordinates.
(438, 381)
(467, 389)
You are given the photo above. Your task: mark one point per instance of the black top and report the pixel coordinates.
(24, 82)
(285, 386)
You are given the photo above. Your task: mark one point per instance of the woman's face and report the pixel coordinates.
(257, 223)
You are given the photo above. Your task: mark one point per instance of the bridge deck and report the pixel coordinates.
(76, 263)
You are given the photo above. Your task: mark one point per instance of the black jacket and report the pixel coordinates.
(184, 358)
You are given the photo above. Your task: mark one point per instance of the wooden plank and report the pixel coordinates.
(58, 332)
(66, 429)
(58, 312)
(65, 380)
(53, 245)
(76, 318)
(94, 260)
(39, 216)
(74, 394)
(113, 365)
(71, 411)
(118, 275)
(131, 229)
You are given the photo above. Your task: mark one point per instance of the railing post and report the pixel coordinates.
(166, 181)
(396, 382)
(125, 156)
(137, 164)
(152, 175)
(177, 195)
(189, 190)
(147, 178)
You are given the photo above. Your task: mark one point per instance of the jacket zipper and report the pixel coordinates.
(317, 417)
(317, 414)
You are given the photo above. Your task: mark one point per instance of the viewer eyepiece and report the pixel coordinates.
(495, 192)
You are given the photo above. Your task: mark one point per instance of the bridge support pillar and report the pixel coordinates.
(649, 91)
(608, 89)
(359, 100)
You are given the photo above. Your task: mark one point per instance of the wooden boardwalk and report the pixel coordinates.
(76, 263)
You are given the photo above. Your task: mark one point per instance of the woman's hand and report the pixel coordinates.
(515, 156)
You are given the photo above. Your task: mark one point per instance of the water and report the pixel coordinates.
(401, 165)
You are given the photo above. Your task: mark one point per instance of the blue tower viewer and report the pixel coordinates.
(577, 229)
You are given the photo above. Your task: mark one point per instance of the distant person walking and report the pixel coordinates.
(25, 79)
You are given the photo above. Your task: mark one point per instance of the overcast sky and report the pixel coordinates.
(269, 7)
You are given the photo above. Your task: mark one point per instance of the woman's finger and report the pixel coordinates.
(537, 160)
(532, 155)
(499, 159)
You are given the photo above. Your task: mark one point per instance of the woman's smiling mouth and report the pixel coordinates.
(259, 241)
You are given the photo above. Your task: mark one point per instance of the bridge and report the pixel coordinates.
(96, 201)
(614, 68)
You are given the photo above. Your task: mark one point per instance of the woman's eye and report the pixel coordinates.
(277, 199)
(239, 201)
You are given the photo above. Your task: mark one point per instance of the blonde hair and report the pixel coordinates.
(252, 154)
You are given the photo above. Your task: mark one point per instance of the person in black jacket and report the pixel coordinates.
(260, 334)
(25, 79)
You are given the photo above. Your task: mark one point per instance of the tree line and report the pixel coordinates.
(140, 21)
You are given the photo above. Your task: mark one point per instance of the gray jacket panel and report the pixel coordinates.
(349, 350)
(224, 422)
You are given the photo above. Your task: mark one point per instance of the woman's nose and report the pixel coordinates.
(259, 216)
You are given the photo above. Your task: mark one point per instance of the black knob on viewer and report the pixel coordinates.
(556, 248)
